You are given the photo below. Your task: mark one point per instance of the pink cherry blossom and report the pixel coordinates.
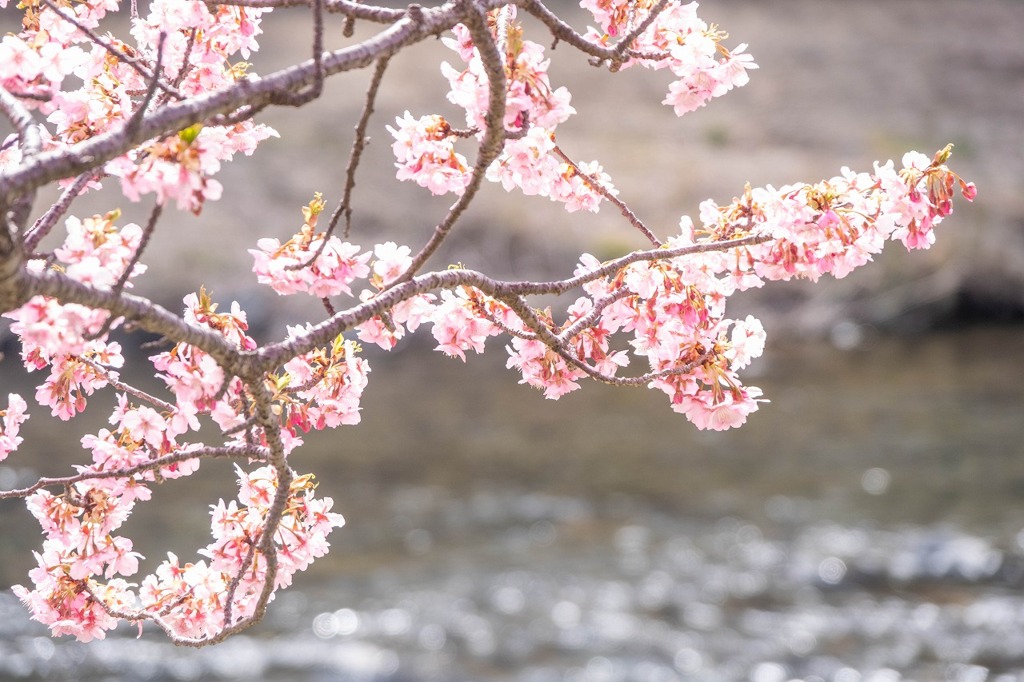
(542, 368)
(721, 414)
(306, 264)
(747, 340)
(392, 261)
(458, 326)
(688, 47)
(145, 423)
(424, 151)
(13, 417)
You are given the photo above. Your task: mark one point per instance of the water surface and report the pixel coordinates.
(865, 525)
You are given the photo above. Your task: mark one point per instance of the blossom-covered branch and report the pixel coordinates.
(157, 113)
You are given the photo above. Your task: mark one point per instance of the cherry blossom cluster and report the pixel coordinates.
(79, 524)
(66, 337)
(531, 99)
(13, 417)
(674, 38)
(674, 307)
(194, 600)
(180, 167)
(837, 225)
(392, 261)
(197, 381)
(38, 60)
(321, 389)
(187, 601)
(424, 148)
(425, 153)
(305, 263)
(554, 373)
(185, 43)
(190, 601)
(79, 544)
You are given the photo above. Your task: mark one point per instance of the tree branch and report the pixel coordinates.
(17, 205)
(354, 10)
(599, 187)
(251, 92)
(321, 334)
(220, 452)
(45, 222)
(493, 139)
(142, 312)
(358, 145)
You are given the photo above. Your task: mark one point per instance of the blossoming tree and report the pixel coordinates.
(157, 112)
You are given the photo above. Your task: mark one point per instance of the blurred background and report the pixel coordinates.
(866, 525)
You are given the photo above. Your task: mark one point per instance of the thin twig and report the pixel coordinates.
(641, 380)
(623, 45)
(590, 318)
(557, 345)
(530, 320)
(236, 579)
(243, 113)
(140, 112)
(349, 8)
(126, 388)
(239, 427)
(566, 33)
(358, 145)
(202, 451)
(344, 208)
(119, 285)
(599, 187)
(349, 28)
(186, 64)
(316, 88)
(46, 222)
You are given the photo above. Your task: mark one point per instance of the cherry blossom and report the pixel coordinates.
(13, 417)
(424, 148)
(322, 389)
(190, 597)
(306, 264)
(542, 368)
(424, 151)
(458, 326)
(680, 41)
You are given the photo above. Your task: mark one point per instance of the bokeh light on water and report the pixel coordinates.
(848, 533)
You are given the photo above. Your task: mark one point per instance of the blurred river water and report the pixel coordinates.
(866, 525)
